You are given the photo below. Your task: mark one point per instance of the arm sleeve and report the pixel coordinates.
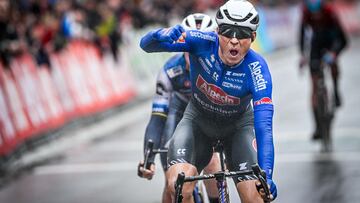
(151, 43)
(261, 88)
(302, 38)
(302, 31)
(341, 38)
(155, 127)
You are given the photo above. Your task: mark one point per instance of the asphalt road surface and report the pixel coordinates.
(103, 169)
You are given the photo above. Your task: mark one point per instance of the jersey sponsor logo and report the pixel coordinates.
(230, 85)
(233, 79)
(242, 166)
(257, 77)
(175, 71)
(264, 100)
(208, 62)
(212, 58)
(176, 161)
(215, 94)
(246, 178)
(181, 152)
(204, 66)
(201, 35)
(235, 74)
(215, 76)
(212, 108)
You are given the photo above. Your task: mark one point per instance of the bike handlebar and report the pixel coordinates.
(215, 175)
(148, 153)
(256, 170)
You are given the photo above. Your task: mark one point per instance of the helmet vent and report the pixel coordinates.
(187, 23)
(219, 15)
(198, 22)
(237, 20)
(255, 21)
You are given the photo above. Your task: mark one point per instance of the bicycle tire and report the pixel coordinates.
(325, 111)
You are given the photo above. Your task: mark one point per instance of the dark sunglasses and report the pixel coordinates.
(231, 31)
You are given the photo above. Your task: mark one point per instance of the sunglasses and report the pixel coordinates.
(238, 32)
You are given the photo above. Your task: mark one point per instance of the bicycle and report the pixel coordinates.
(220, 178)
(198, 192)
(325, 107)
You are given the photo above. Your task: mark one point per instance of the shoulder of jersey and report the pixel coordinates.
(175, 66)
(253, 55)
(329, 10)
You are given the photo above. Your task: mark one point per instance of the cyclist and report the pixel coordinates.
(326, 43)
(173, 92)
(231, 99)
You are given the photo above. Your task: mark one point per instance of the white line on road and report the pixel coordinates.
(301, 135)
(131, 166)
(317, 156)
(86, 168)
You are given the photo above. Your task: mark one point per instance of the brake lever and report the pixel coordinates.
(261, 175)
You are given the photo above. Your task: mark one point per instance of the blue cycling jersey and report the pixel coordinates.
(173, 80)
(225, 91)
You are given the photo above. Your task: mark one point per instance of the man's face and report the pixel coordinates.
(234, 44)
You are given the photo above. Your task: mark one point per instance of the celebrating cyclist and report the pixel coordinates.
(327, 40)
(173, 92)
(231, 99)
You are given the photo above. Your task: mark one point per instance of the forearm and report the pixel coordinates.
(158, 41)
(340, 43)
(150, 43)
(264, 139)
(301, 39)
(154, 131)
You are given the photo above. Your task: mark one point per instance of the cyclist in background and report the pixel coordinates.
(327, 41)
(173, 92)
(231, 100)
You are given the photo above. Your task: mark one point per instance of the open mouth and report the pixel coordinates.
(234, 52)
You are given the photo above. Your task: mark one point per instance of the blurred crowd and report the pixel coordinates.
(41, 27)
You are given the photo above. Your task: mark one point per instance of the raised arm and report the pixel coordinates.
(165, 40)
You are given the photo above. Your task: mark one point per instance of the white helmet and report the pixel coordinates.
(199, 21)
(239, 13)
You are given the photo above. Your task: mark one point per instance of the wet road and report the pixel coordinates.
(104, 170)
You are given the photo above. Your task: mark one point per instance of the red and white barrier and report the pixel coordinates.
(34, 100)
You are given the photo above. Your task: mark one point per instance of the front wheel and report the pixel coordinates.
(326, 136)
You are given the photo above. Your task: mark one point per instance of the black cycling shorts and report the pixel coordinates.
(195, 135)
(176, 110)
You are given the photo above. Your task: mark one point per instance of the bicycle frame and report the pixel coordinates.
(220, 177)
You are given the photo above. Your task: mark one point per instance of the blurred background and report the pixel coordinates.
(76, 90)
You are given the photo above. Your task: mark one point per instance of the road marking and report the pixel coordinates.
(86, 168)
(123, 146)
(131, 165)
(301, 135)
(317, 157)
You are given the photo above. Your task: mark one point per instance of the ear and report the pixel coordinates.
(253, 36)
